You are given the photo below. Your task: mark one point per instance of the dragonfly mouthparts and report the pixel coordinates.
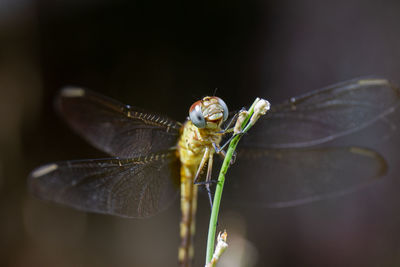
(212, 108)
(214, 116)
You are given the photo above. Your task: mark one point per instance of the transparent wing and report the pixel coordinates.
(289, 177)
(120, 130)
(325, 114)
(138, 187)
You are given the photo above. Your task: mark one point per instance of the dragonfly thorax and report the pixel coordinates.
(194, 141)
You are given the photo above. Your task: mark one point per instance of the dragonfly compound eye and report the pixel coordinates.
(224, 107)
(196, 115)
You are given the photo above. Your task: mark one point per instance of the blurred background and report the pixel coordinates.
(162, 56)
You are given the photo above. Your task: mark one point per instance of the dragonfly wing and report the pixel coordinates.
(120, 130)
(138, 187)
(325, 114)
(289, 177)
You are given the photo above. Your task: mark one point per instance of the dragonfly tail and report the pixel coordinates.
(187, 225)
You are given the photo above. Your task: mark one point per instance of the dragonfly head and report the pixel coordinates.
(209, 112)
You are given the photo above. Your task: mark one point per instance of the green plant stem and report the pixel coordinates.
(220, 185)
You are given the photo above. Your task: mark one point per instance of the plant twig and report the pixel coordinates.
(258, 108)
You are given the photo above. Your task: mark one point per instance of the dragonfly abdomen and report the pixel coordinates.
(188, 209)
(192, 147)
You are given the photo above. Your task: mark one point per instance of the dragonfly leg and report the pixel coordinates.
(201, 165)
(208, 155)
(228, 128)
(220, 151)
(208, 177)
(230, 123)
(206, 182)
(228, 141)
(217, 149)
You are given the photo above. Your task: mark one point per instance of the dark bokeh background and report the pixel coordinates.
(162, 56)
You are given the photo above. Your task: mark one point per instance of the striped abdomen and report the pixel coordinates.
(192, 146)
(188, 209)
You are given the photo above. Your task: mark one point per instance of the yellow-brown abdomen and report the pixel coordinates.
(192, 145)
(188, 209)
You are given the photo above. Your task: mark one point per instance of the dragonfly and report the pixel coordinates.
(283, 161)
